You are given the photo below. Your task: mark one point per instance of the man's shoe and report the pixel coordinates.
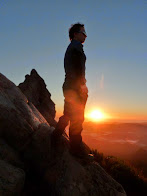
(82, 151)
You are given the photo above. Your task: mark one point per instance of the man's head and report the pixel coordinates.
(77, 32)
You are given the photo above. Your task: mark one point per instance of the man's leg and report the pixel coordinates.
(76, 127)
(64, 120)
(73, 111)
(61, 125)
(76, 121)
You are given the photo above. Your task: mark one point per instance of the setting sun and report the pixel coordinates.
(96, 115)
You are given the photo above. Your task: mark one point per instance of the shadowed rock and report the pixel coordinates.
(11, 179)
(9, 154)
(34, 88)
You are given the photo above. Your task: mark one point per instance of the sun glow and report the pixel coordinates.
(96, 115)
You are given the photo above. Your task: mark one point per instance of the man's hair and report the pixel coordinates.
(74, 28)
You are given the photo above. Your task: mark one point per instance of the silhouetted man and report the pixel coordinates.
(74, 89)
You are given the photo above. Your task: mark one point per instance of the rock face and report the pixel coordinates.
(30, 165)
(18, 117)
(34, 88)
(11, 179)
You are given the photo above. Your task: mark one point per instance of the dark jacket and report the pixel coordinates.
(74, 65)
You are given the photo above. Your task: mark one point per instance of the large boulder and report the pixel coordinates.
(18, 117)
(34, 88)
(25, 137)
(71, 176)
(64, 174)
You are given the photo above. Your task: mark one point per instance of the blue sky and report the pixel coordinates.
(34, 34)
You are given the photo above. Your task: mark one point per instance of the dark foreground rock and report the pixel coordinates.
(33, 164)
(34, 88)
(11, 179)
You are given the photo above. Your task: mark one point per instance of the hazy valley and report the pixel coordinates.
(127, 141)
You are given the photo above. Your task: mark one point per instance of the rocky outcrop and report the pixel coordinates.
(18, 117)
(28, 155)
(34, 88)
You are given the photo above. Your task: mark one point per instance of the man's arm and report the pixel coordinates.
(78, 61)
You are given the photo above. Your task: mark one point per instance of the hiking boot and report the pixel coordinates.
(82, 151)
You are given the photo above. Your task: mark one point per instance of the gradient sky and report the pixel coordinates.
(34, 34)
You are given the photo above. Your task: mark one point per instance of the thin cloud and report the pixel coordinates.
(102, 82)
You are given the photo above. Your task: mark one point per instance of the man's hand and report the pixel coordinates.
(83, 93)
(84, 89)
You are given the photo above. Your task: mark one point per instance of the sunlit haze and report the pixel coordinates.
(95, 115)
